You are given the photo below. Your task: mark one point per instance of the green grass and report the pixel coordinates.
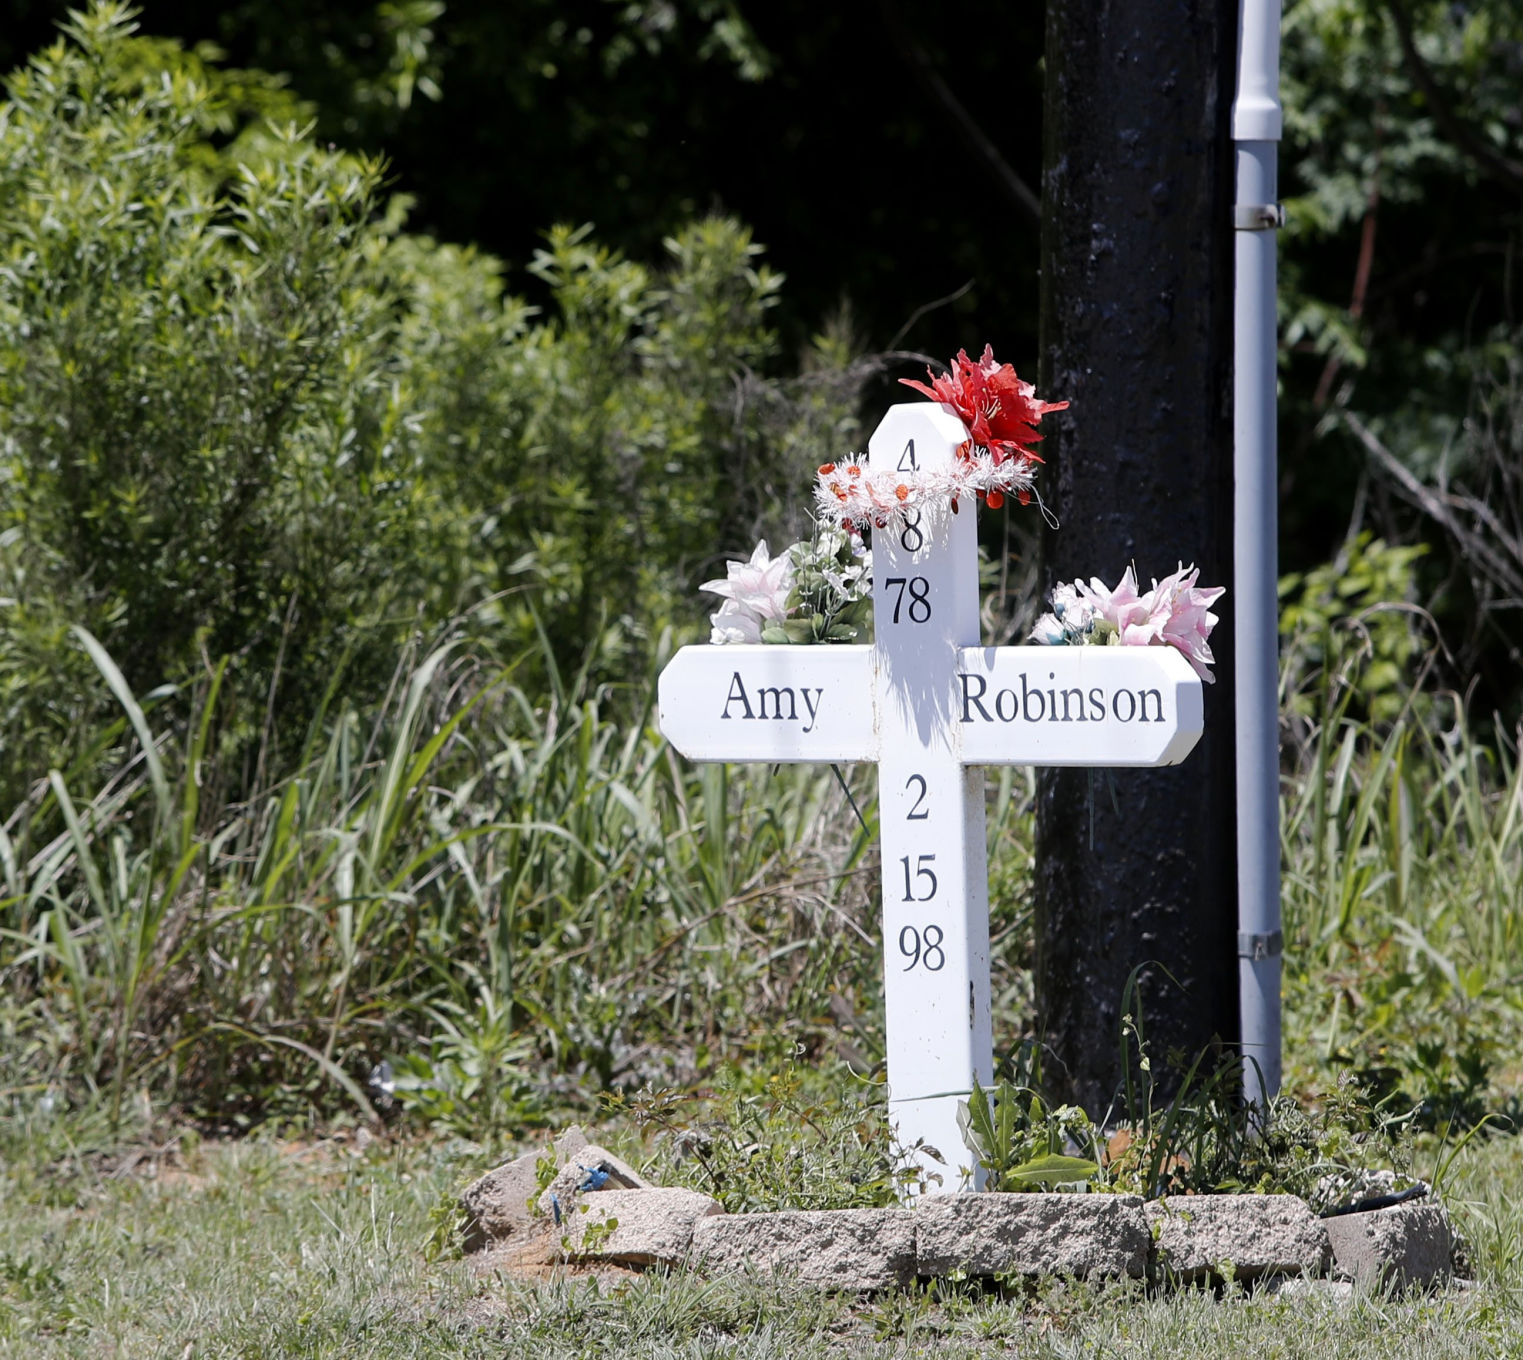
(526, 900)
(523, 903)
(523, 899)
(261, 1248)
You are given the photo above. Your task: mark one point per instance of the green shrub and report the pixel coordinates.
(204, 451)
(593, 447)
(244, 414)
(1351, 629)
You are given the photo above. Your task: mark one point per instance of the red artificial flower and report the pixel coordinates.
(1000, 411)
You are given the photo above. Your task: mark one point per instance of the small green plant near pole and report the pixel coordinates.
(1022, 1144)
(1336, 1148)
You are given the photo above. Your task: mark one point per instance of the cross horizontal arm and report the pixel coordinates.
(1103, 706)
(1098, 706)
(769, 702)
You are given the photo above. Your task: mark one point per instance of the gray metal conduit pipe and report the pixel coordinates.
(1256, 123)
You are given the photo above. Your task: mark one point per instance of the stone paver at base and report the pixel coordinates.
(1200, 1237)
(600, 1214)
(1410, 1244)
(651, 1227)
(591, 1170)
(836, 1248)
(1089, 1236)
(496, 1206)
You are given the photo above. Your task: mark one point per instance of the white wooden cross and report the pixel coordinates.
(932, 706)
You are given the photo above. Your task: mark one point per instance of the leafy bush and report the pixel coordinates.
(244, 414)
(1399, 339)
(201, 443)
(595, 446)
(1350, 628)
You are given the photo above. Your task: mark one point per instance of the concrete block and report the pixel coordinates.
(1195, 1237)
(498, 1207)
(650, 1227)
(1033, 1235)
(1411, 1245)
(855, 1249)
(592, 1170)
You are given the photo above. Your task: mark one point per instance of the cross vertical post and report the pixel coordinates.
(930, 808)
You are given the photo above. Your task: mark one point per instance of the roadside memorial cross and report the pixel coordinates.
(931, 706)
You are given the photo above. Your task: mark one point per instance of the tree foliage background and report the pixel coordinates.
(916, 144)
(332, 334)
(913, 146)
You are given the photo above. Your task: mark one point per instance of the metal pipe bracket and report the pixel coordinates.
(1257, 947)
(1258, 216)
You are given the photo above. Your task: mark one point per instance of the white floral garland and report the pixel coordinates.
(856, 494)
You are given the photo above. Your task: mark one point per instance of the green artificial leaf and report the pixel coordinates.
(1052, 1169)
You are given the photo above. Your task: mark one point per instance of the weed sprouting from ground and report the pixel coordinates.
(775, 1143)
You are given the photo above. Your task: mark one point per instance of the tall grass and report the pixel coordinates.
(1403, 888)
(519, 901)
(475, 880)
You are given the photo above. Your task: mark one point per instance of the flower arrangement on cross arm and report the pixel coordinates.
(820, 590)
(1174, 613)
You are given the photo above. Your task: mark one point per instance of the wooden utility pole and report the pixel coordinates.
(1137, 867)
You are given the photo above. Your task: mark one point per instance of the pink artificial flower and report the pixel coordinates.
(1129, 613)
(754, 593)
(1174, 613)
(760, 585)
(1186, 618)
